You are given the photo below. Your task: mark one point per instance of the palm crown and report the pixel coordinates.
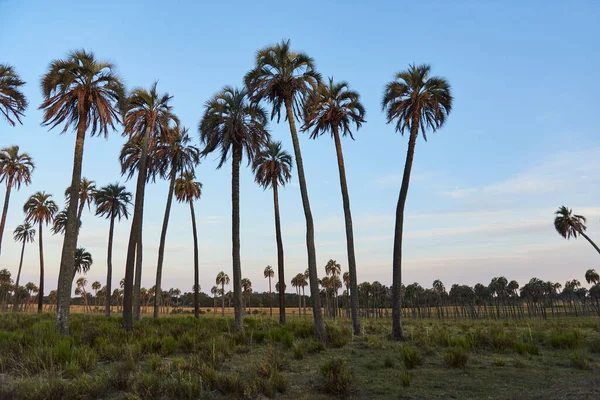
(269, 273)
(130, 157)
(40, 209)
(222, 278)
(86, 193)
(272, 165)
(112, 201)
(177, 154)
(15, 168)
(186, 189)
(24, 233)
(12, 101)
(567, 224)
(59, 224)
(83, 261)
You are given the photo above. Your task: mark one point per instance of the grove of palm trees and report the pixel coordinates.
(157, 276)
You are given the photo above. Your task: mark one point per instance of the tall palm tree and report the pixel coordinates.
(232, 124)
(15, 169)
(283, 78)
(84, 93)
(269, 273)
(187, 190)
(96, 286)
(416, 102)
(333, 269)
(24, 233)
(148, 115)
(273, 168)
(12, 101)
(247, 289)
(40, 209)
(591, 276)
(570, 225)
(177, 156)
(112, 202)
(87, 189)
(215, 291)
(222, 279)
(60, 223)
(83, 262)
(334, 108)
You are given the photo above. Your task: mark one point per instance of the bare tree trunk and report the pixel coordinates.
(280, 258)
(196, 269)
(137, 287)
(223, 298)
(41, 287)
(16, 299)
(9, 184)
(270, 298)
(235, 236)
(108, 286)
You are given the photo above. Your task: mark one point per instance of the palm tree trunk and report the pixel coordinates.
(590, 240)
(280, 259)
(349, 233)
(41, 287)
(235, 236)
(223, 298)
(320, 332)
(16, 299)
(196, 270)
(139, 251)
(163, 237)
(270, 298)
(111, 231)
(9, 184)
(304, 300)
(67, 260)
(134, 237)
(397, 260)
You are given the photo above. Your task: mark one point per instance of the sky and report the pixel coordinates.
(522, 138)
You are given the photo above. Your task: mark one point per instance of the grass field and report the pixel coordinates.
(184, 358)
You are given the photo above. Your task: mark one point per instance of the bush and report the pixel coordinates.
(338, 337)
(298, 350)
(455, 357)
(411, 357)
(570, 339)
(499, 362)
(580, 360)
(405, 378)
(527, 348)
(287, 339)
(315, 346)
(337, 376)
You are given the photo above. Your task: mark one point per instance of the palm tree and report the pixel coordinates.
(60, 223)
(83, 261)
(177, 156)
(284, 78)
(24, 233)
(15, 169)
(12, 101)
(187, 190)
(81, 284)
(148, 115)
(591, 276)
(272, 168)
(214, 291)
(247, 290)
(87, 189)
(569, 225)
(222, 279)
(112, 201)
(296, 284)
(82, 92)
(269, 273)
(96, 285)
(231, 123)
(415, 101)
(334, 108)
(333, 269)
(40, 209)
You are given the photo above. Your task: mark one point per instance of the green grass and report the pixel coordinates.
(181, 357)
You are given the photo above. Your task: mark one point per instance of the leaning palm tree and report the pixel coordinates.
(269, 273)
(12, 101)
(416, 102)
(222, 279)
(178, 155)
(83, 262)
(15, 169)
(147, 115)
(81, 92)
(232, 124)
(284, 78)
(87, 189)
(40, 209)
(334, 108)
(272, 168)
(188, 190)
(570, 225)
(24, 233)
(112, 202)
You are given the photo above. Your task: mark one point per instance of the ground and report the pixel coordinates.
(184, 358)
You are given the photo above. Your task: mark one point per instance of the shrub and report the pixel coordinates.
(337, 376)
(279, 382)
(405, 378)
(570, 339)
(499, 362)
(580, 360)
(594, 346)
(455, 357)
(527, 348)
(411, 357)
(287, 339)
(338, 337)
(315, 346)
(298, 350)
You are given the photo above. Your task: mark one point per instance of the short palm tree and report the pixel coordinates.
(591, 276)
(188, 190)
(83, 261)
(178, 155)
(87, 189)
(12, 100)
(284, 78)
(247, 290)
(112, 202)
(333, 108)
(273, 168)
(231, 123)
(24, 233)
(15, 170)
(333, 269)
(269, 273)
(81, 92)
(40, 209)
(148, 115)
(570, 225)
(222, 279)
(416, 102)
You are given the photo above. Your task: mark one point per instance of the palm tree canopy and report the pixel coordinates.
(333, 107)
(229, 120)
(14, 167)
(269, 273)
(12, 101)
(40, 209)
(24, 233)
(130, 156)
(186, 189)
(86, 192)
(567, 224)
(246, 284)
(222, 278)
(80, 82)
(176, 153)
(333, 268)
(112, 201)
(591, 276)
(416, 98)
(83, 261)
(272, 164)
(282, 75)
(59, 224)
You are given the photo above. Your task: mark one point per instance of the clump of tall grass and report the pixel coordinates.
(569, 339)
(411, 357)
(338, 378)
(456, 357)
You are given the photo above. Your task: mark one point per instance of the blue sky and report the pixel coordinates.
(522, 138)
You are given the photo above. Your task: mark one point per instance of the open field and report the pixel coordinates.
(185, 358)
